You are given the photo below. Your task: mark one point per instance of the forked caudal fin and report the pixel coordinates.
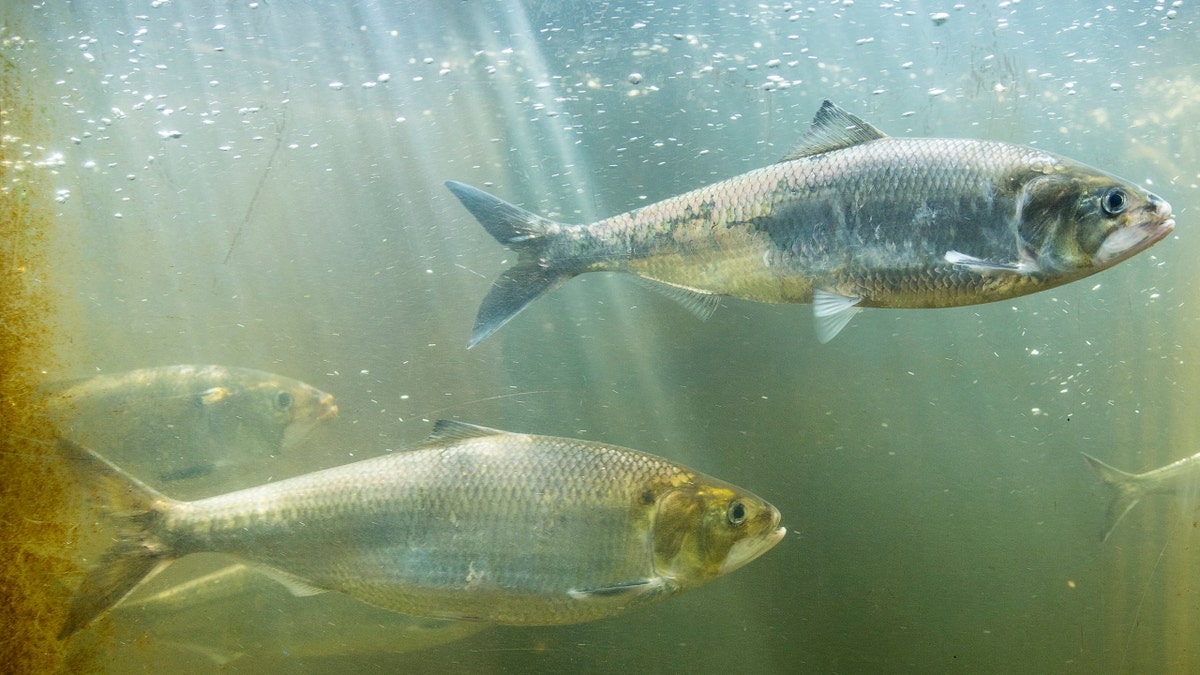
(534, 274)
(133, 507)
(1126, 490)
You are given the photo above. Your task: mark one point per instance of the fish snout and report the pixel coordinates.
(1162, 222)
(1157, 208)
(1162, 210)
(777, 530)
(1143, 228)
(327, 406)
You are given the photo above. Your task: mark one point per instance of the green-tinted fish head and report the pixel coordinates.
(703, 531)
(294, 406)
(1074, 221)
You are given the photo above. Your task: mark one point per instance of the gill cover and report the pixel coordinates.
(1064, 218)
(1046, 221)
(693, 532)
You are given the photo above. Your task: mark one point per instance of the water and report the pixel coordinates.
(258, 184)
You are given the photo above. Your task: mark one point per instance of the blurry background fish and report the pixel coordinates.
(1180, 478)
(193, 427)
(241, 621)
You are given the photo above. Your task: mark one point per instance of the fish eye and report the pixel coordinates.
(736, 513)
(283, 400)
(1113, 201)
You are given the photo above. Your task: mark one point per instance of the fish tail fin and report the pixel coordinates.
(134, 509)
(1127, 490)
(533, 275)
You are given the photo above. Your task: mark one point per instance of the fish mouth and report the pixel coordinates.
(1133, 239)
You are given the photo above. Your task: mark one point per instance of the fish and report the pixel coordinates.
(208, 614)
(188, 424)
(852, 218)
(1127, 489)
(475, 523)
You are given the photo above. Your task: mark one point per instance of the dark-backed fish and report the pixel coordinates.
(852, 218)
(475, 523)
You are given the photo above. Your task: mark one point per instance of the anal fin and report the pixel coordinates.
(699, 303)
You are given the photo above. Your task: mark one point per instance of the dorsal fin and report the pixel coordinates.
(450, 430)
(833, 128)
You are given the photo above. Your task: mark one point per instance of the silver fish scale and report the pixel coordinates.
(504, 516)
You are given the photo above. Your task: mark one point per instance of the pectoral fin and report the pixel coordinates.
(832, 312)
(214, 395)
(638, 588)
(1024, 266)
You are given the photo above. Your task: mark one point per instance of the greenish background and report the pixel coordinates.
(260, 184)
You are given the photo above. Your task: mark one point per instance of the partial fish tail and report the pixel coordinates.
(134, 508)
(534, 274)
(1127, 490)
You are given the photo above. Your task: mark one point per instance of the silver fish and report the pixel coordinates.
(475, 523)
(1182, 476)
(180, 424)
(852, 218)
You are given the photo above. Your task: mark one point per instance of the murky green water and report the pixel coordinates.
(260, 184)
